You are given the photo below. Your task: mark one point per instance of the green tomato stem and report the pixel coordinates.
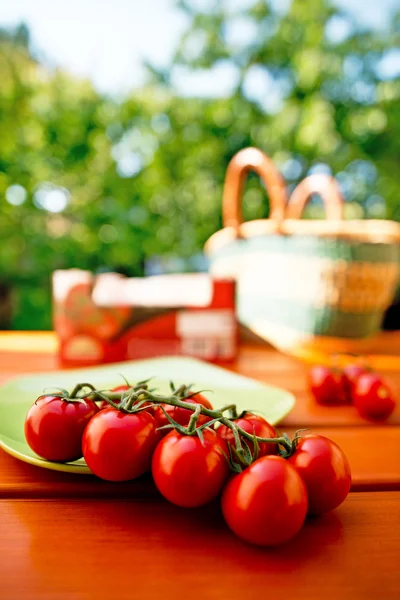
(191, 428)
(282, 440)
(198, 409)
(81, 386)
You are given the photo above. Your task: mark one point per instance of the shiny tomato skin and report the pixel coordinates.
(121, 388)
(188, 473)
(253, 424)
(181, 415)
(118, 446)
(373, 397)
(328, 386)
(54, 427)
(325, 470)
(266, 504)
(352, 373)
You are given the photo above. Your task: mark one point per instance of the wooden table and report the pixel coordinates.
(66, 537)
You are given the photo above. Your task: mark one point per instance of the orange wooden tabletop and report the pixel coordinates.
(77, 550)
(373, 452)
(21, 352)
(266, 364)
(375, 466)
(70, 537)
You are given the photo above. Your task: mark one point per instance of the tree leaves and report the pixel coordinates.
(152, 165)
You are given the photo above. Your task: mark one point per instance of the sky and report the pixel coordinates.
(106, 40)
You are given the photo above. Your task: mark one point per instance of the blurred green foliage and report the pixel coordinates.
(88, 181)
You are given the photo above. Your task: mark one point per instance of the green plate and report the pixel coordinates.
(17, 395)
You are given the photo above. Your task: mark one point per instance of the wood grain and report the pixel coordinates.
(374, 456)
(270, 366)
(66, 537)
(261, 362)
(19, 480)
(373, 453)
(122, 550)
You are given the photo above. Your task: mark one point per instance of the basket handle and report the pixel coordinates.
(324, 185)
(251, 159)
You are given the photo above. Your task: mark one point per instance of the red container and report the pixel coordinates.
(110, 318)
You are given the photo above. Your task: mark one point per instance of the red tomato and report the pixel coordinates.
(351, 374)
(118, 446)
(54, 427)
(181, 415)
(325, 471)
(253, 424)
(266, 504)
(328, 386)
(120, 388)
(373, 397)
(187, 472)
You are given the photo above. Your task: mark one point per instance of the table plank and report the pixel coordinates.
(68, 550)
(19, 480)
(374, 458)
(374, 454)
(260, 362)
(269, 366)
(375, 464)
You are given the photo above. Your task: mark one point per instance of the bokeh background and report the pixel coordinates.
(118, 119)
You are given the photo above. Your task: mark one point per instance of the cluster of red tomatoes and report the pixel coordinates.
(265, 500)
(355, 384)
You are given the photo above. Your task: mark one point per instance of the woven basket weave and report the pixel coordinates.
(303, 279)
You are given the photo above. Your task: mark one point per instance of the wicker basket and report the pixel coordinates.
(298, 280)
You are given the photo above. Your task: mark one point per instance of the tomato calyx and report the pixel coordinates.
(135, 400)
(243, 450)
(246, 449)
(185, 392)
(191, 428)
(119, 399)
(297, 437)
(78, 394)
(242, 454)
